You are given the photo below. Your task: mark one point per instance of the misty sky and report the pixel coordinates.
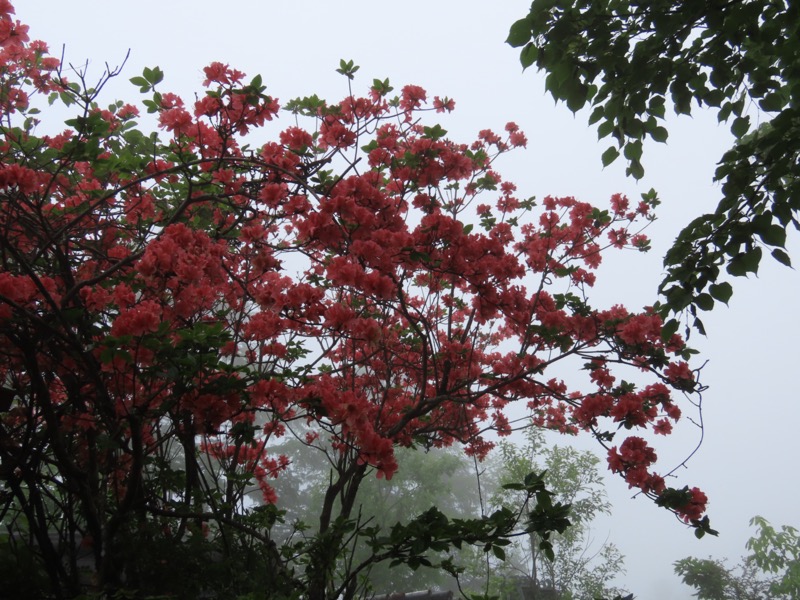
(747, 463)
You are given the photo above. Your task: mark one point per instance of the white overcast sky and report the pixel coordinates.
(747, 464)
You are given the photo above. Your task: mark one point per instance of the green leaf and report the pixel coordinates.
(153, 76)
(772, 102)
(657, 107)
(513, 486)
(669, 329)
(714, 98)
(381, 87)
(547, 549)
(633, 150)
(347, 68)
(724, 112)
(436, 132)
(774, 235)
(740, 126)
(610, 155)
(745, 262)
(721, 291)
(520, 33)
(577, 98)
(257, 83)
(604, 129)
(528, 55)
(681, 97)
(782, 257)
(416, 255)
(499, 552)
(141, 82)
(635, 169)
(596, 115)
(659, 134)
(704, 302)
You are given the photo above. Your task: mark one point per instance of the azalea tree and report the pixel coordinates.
(173, 303)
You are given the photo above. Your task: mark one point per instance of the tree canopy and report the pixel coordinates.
(176, 302)
(630, 60)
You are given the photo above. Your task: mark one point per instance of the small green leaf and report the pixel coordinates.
(782, 257)
(528, 55)
(436, 132)
(772, 102)
(141, 82)
(153, 76)
(704, 302)
(659, 134)
(596, 115)
(745, 262)
(633, 150)
(420, 256)
(381, 87)
(740, 126)
(513, 486)
(347, 68)
(669, 329)
(547, 549)
(635, 170)
(698, 324)
(773, 235)
(577, 98)
(610, 155)
(721, 291)
(520, 33)
(724, 112)
(604, 129)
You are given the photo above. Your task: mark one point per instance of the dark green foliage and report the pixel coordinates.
(628, 60)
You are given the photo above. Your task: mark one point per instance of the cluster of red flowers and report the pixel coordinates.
(193, 287)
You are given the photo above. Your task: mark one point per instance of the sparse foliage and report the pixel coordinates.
(770, 572)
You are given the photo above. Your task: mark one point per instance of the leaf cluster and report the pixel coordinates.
(629, 60)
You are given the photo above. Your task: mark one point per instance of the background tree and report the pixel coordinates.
(628, 60)
(770, 571)
(461, 488)
(444, 478)
(174, 303)
(712, 580)
(579, 567)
